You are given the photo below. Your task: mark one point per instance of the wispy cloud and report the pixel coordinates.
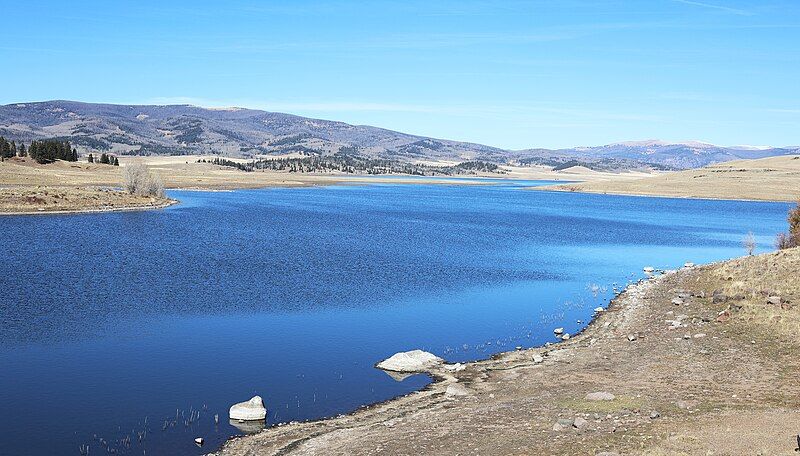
(511, 112)
(726, 9)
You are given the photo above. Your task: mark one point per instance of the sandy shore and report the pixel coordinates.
(690, 373)
(766, 179)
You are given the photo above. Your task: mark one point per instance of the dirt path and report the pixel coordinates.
(690, 374)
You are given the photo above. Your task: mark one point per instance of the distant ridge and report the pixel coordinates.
(242, 132)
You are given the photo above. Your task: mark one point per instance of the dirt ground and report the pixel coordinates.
(771, 179)
(702, 361)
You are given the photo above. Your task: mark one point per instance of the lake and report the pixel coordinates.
(132, 330)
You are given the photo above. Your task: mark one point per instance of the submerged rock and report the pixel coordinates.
(252, 410)
(410, 361)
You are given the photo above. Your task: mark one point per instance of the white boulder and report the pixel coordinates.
(410, 361)
(648, 269)
(252, 410)
(558, 331)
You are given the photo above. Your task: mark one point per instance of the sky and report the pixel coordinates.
(511, 74)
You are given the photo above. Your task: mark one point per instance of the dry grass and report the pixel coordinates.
(18, 200)
(770, 179)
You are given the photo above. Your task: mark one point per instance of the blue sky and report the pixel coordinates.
(509, 74)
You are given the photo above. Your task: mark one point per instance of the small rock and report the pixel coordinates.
(579, 423)
(562, 424)
(252, 410)
(654, 415)
(632, 337)
(558, 331)
(599, 310)
(774, 300)
(687, 336)
(718, 297)
(537, 358)
(565, 336)
(699, 335)
(607, 453)
(456, 389)
(688, 265)
(600, 396)
(457, 367)
(648, 269)
(677, 301)
(199, 441)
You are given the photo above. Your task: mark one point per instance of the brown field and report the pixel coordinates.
(770, 179)
(724, 381)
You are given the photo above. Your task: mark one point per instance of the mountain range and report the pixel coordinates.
(239, 132)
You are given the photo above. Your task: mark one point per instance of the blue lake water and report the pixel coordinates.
(123, 325)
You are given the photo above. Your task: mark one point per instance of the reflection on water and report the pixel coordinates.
(136, 329)
(248, 427)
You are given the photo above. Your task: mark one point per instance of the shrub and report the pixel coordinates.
(138, 180)
(749, 243)
(792, 238)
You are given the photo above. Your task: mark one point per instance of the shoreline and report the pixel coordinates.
(169, 202)
(659, 368)
(555, 188)
(615, 312)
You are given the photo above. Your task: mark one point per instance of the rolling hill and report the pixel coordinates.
(238, 132)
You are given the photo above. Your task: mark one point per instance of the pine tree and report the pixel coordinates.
(116, 161)
(22, 151)
(91, 158)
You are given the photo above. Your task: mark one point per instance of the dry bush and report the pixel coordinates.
(138, 180)
(792, 239)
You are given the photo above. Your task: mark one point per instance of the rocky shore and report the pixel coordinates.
(697, 361)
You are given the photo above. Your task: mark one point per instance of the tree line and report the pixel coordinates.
(105, 159)
(48, 151)
(44, 151)
(347, 163)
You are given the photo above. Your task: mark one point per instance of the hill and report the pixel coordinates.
(248, 133)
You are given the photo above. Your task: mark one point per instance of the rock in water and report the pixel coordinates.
(252, 410)
(410, 361)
